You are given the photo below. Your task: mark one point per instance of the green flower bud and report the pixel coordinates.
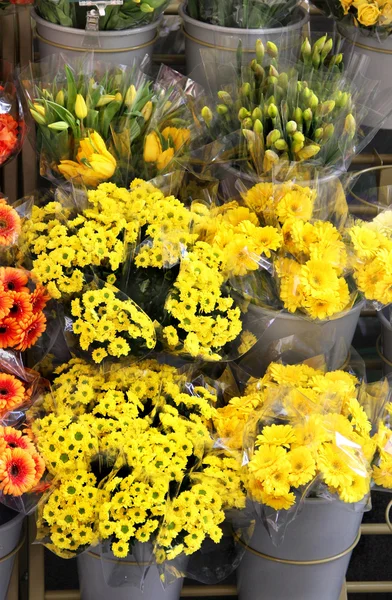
(272, 111)
(283, 80)
(59, 126)
(246, 89)
(258, 127)
(222, 109)
(247, 123)
(225, 98)
(316, 59)
(207, 115)
(281, 145)
(257, 113)
(308, 115)
(243, 113)
(298, 115)
(259, 72)
(259, 51)
(336, 60)
(272, 80)
(297, 146)
(325, 108)
(270, 159)
(298, 137)
(146, 8)
(273, 72)
(306, 93)
(342, 100)
(46, 94)
(328, 132)
(272, 137)
(313, 101)
(327, 49)
(318, 134)
(306, 49)
(319, 44)
(272, 50)
(291, 127)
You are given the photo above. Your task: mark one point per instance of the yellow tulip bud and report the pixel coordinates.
(118, 97)
(130, 96)
(243, 113)
(270, 159)
(38, 118)
(349, 126)
(59, 126)
(60, 98)
(147, 110)
(257, 113)
(328, 132)
(258, 127)
(325, 108)
(281, 145)
(39, 109)
(152, 147)
(80, 107)
(272, 111)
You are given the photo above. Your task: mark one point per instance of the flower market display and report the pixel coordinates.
(179, 394)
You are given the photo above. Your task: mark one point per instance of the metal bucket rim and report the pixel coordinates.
(384, 321)
(286, 315)
(357, 174)
(104, 34)
(234, 31)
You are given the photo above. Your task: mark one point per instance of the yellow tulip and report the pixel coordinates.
(105, 99)
(165, 158)
(179, 136)
(94, 163)
(152, 148)
(39, 109)
(80, 107)
(147, 110)
(118, 97)
(60, 98)
(130, 96)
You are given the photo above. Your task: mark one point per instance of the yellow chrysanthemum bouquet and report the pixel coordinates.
(97, 122)
(305, 433)
(282, 113)
(371, 256)
(382, 463)
(132, 461)
(311, 269)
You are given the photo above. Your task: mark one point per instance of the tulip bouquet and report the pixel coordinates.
(308, 112)
(253, 14)
(132, 462)
(131, 13)
(100, 123)
(373, 16)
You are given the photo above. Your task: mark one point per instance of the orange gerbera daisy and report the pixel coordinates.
(17, 472)
(10, 333)
(22, 308)
(14, 280)
(6, 302)
(39, 298)
(10, 224)
(15, 439)
(39, 467)
(33, 329)
(12, 392)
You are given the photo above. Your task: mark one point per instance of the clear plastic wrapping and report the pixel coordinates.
(12, 125)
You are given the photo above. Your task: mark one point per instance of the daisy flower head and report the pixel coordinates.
(10, 224)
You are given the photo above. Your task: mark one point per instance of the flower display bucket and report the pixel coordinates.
(200, 36)
(93, 585)
(10, 541)
(292, 338)
(121, 47)
(379, 54)
(384, 344)
(322, 536)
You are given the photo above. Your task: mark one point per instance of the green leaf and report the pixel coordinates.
(72, 92)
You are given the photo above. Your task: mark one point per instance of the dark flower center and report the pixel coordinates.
(14, 471)
(4, 392)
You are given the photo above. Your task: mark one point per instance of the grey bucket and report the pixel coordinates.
(10, 536)
(294, 338)
(386, 333)
(325, 531)
(200, 36)
(93, 585)
(121, 47)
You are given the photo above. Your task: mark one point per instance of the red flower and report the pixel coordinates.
(6, 302)
(22, 308)
(10, 224)
(33, 329)
(39, 298)
(14, 280)
(17, 472)
(12, 393)
(8, 136)
(11, 333)
(22, 2)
